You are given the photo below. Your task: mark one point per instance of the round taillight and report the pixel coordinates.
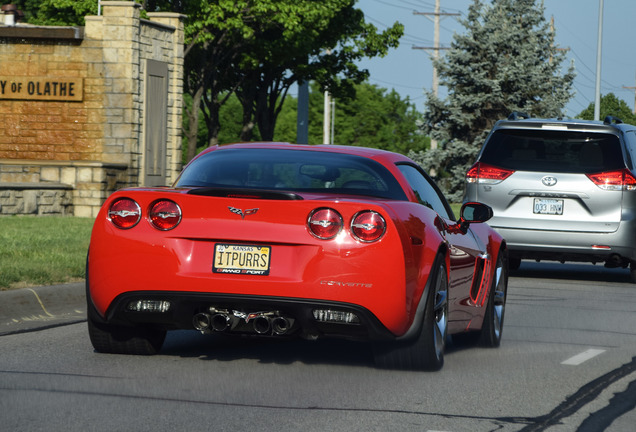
(324, 223)
(124, 213)
(368, 226)
(164, 215)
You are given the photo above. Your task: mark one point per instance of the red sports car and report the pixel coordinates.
(285, 240)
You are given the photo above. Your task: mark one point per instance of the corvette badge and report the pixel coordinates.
(242, 213)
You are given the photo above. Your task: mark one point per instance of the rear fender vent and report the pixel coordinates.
(477, 279)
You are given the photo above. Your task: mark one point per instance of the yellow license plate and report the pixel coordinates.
(241, 259)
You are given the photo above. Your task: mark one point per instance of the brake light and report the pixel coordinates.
(368, 226)
(324, 223)
(124, 213)
(618, 180)
(488, 174)
(164, 215)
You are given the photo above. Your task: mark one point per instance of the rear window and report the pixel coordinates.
(556, 151)
(291, 170)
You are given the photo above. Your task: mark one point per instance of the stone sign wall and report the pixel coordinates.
(72, 108)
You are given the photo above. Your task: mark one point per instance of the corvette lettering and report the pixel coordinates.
(346, 284)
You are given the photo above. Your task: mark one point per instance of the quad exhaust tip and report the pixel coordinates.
(262, 323)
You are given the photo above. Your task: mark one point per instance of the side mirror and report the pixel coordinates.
(475, 212)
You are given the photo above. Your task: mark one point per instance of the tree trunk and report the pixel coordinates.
(193, 124)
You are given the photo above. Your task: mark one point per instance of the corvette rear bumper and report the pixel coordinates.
(244, 314)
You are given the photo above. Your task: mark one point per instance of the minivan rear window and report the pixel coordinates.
(556, 151)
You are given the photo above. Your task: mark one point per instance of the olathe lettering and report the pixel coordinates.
(41, 88)
(51, 88)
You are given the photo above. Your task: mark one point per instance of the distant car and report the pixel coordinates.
(561, 190)
(286, 240)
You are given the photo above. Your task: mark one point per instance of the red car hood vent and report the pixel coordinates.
(245, 193)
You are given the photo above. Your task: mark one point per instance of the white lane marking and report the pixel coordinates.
(583, 357)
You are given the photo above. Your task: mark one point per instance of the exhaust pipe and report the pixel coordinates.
(280, 325)
(201, 322)
(220, 321)
(262, 324)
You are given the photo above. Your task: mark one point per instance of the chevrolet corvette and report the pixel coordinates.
(286, 240)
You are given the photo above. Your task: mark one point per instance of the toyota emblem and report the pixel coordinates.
(549, 180)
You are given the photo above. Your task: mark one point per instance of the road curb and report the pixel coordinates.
(28, 309)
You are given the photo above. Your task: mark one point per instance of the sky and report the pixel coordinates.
(409, 71)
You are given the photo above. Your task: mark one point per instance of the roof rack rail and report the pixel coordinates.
(612, 120)
(517, 115)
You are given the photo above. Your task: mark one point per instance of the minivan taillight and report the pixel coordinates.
(619, 180)
(488, 174)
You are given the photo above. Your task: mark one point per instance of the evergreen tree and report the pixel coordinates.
(506, 61)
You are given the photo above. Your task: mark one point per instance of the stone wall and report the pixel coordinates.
(62, 153)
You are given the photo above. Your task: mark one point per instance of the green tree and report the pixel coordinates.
(258, 49)
(372, 118)
(57, 12)
(610, 106)
(379, 119)
(506, 61)
(302, 41)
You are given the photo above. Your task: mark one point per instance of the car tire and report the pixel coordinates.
(125, 340)
(492, 328)
(632, 271)
(426, 351)
(514, 263)
(107, 338)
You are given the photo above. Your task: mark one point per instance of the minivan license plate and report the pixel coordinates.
(241, 259)
(548, 206)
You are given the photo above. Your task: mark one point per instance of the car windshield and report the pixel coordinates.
(557, 151)
(291, 170)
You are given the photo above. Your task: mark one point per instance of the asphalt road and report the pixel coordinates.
(567, 363)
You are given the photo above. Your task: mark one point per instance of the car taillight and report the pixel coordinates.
(368, 226)
(164, 215)
(124, 213)
(617, 180)
(488, 174)
(324, 223)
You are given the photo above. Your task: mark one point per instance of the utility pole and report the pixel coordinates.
(326, 116)
(436, 17)
(632, 88)
(302, 113)
(597, 95)
(326, 125)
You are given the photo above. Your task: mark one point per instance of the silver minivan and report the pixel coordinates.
(560, 190)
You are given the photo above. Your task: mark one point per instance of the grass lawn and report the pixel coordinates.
(456, 208)
(42, 250)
